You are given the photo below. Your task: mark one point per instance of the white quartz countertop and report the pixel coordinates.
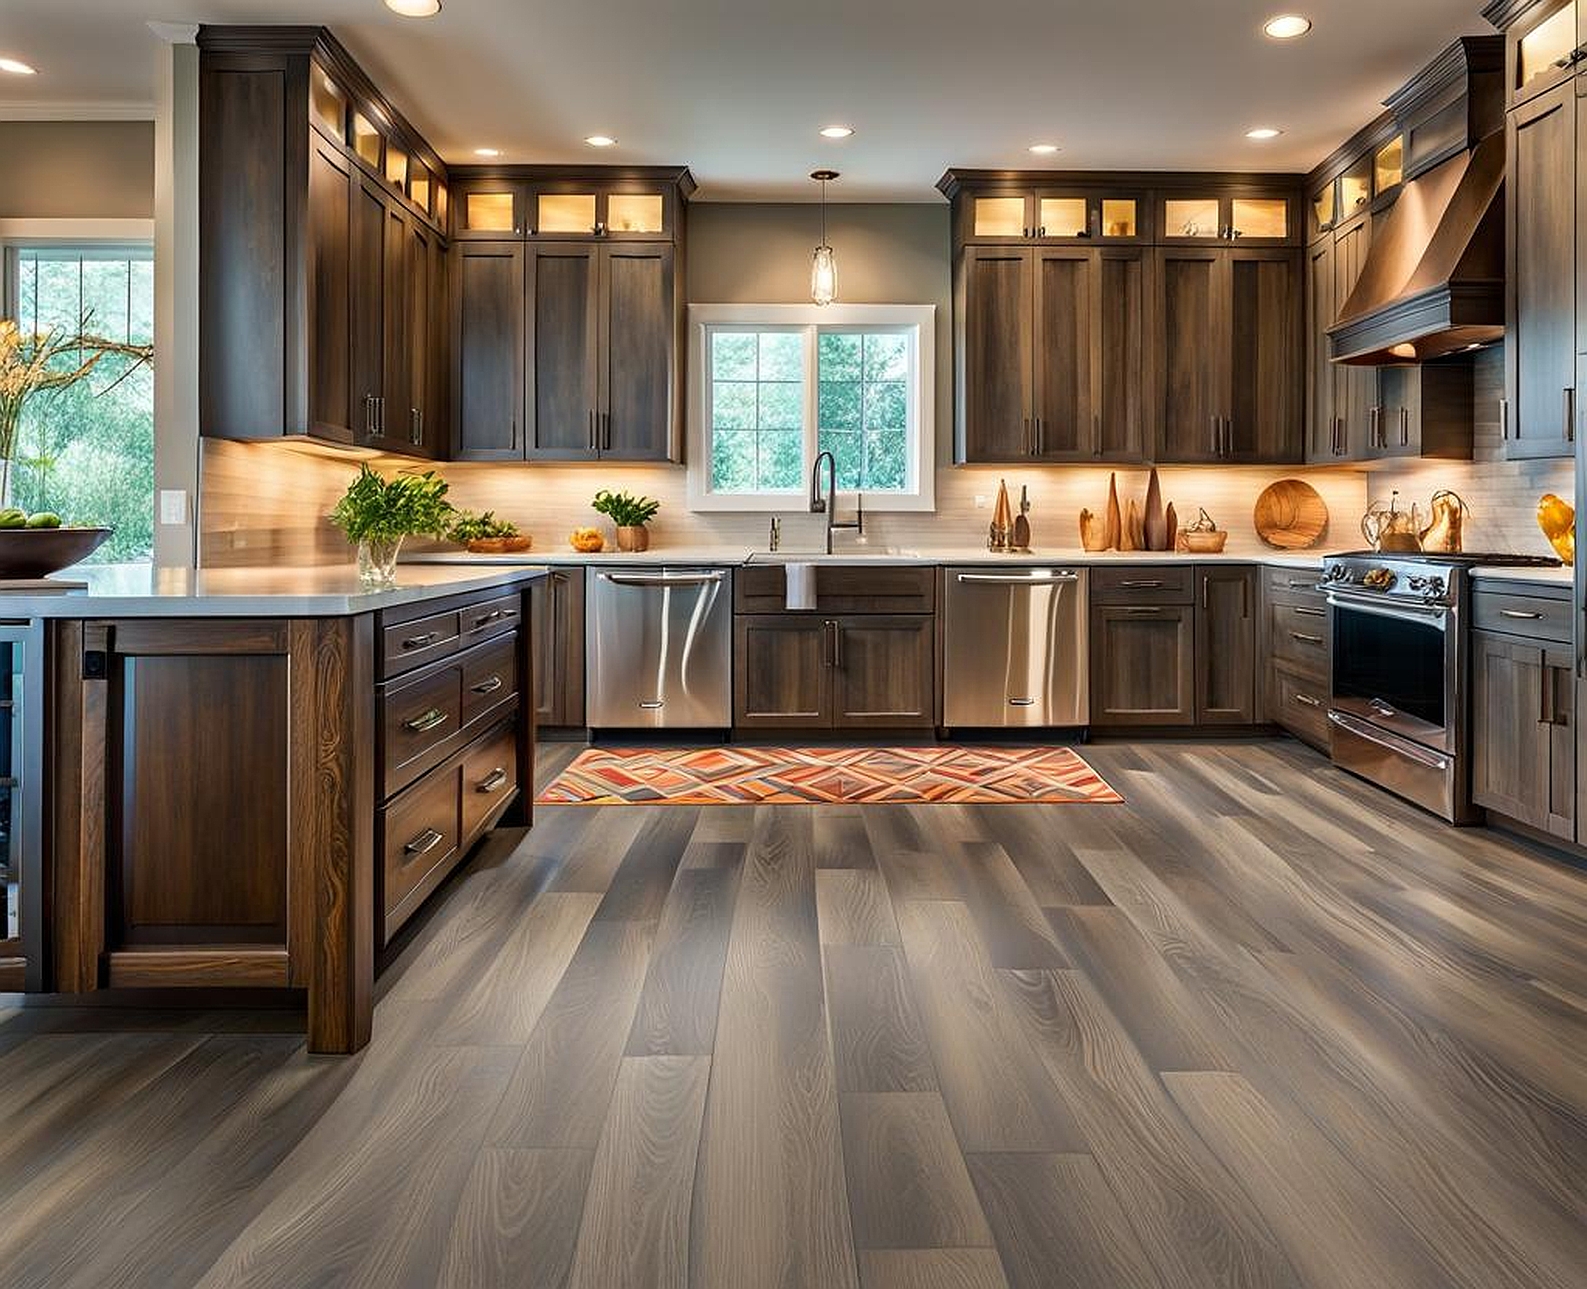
(136, 590)
(1546, 576)
(710, 556)
(726, 556)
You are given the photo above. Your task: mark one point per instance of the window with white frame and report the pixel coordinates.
(774, 385)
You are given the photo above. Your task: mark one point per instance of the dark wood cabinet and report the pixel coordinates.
(564, 337)
(1143, 664)
(1226, 644)
(1540, 283)
(556, 607)
(995, 346)
(1325, 440)
(488, 286)
(1228, 332)
(311, 316)
(1425, 411)
(1523, 749)
(1357, 393)
(867, 671)
(1293, 653)
(638, 352)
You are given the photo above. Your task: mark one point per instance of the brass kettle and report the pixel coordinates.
(1449, 511)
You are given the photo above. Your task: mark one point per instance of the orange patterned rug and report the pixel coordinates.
(737, 776)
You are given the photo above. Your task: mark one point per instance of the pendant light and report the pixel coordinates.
(824, 267)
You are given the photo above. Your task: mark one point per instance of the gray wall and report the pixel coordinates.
(746, 253)
(76, 169)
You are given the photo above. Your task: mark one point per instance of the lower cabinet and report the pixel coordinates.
(556, 623)
(855, 672)
(1226, 645)
(1143, 664)
(1523, 751)
(1294, 652)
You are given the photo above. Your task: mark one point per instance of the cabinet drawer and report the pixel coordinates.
(762, 588)
(490, 677)
(406, 645)
(1143, 584)
(1299, 702)
(490, 777)
(420, 837)
(1297, 582)
(490, 616)
(1531, 616)
(1298, 634)
(419, 724)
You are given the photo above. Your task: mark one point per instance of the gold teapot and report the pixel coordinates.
(1448, 515)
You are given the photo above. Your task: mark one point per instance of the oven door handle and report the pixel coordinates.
(662, 579)
(1433, 613)
(1410, 752)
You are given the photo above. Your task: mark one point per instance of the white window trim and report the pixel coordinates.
(920, 319)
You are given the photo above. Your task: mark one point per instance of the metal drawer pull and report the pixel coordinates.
(1519, 613)
(485, 619)
(430, 720)
(1144, 611)
(489, 686)
(1306, 700)
(424, 843)
(1304, 638)
(418, 642)
(1309, 613)
(1022, 702)
(1301, 586)
(1141, 586)
(492, 781)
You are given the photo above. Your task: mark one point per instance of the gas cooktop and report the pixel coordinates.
(1459, 559)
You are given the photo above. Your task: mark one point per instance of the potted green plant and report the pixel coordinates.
(630, 514)
(487, 535)
(376, 513)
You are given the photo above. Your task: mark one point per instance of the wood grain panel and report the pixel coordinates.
(683, 984)
(931, 1269)
(518, 1220)
(877, 1040)
(852, 907)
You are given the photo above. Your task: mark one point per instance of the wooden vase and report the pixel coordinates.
(1154, 521)
(1115, 522)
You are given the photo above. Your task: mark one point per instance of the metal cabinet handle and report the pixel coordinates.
(415, 426)
(485, 619)
(489, 686)
(427, 721)
(1142, 611)
(1306, 700)
(1041, 437)
(661, 579)
(826, 644)
(492, 781)
(1570, 414)
(1019, 579)
(1217, 436)
(1504, 420)
(1374, 427)
(1304, 638)
(419, 642)
(606, 431)
(592, 444)
(837, 645)
(424, 843)
(1308, 613)
(1295, 585)
(369, 415)
(1405, 427)
(1520, 614)
(1141, 585)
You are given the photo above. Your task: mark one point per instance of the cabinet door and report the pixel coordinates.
(367, 306)
(1400, 411)
(994, 387)
(419, 338)
(1225, 645)
(1118, 355)
(1324, 441)
(782, 671)
(437, 403)
(1263, 415)
(488, 209)
(884, 672)
(396, 406)
(564, 330)
(1193, 349)
(1065, 338)
(488, 403)
(1142, 664)
(1540, 343)
(556, 615)
(637, 344)
(1357, 387)
(333, 409)
(1522, 760)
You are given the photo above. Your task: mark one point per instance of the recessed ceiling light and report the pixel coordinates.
(1287, 26)
(1263, 132)
(1044, 149)
(487, 152)
(415, 8)
(837, 132)
(601, 141)
(16, 67)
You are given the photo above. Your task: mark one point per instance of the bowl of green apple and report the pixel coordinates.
(39, 544)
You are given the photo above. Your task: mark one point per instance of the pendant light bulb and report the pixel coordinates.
(824, 265)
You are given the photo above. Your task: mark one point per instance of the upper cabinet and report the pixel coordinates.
(999, 208)
(1544, 42)
(628, 205)
(320, 259)
(1253, 218)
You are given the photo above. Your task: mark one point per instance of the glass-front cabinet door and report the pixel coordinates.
(1355, 190)
(1542, 48)
(1321, 210)
(1249, 218)
(621, 211)
(1388, 166)
(1054, 215)
(486, 208)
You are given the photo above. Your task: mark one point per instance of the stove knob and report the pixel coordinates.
(1337, 573)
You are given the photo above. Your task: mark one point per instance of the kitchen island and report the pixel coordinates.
(253, 777)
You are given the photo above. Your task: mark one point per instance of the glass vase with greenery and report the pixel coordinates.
(376, 513)
(46, 362)
(630, 514)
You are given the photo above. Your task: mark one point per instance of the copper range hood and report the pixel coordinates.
(1433, 283)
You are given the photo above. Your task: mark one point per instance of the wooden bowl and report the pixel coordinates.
(1290, 515)
(499, 545)
(38, 552)
(1204, 541)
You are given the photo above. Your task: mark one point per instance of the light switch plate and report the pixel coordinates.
(173, 505)
(982, 501)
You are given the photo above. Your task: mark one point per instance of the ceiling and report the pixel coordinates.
(737, 89)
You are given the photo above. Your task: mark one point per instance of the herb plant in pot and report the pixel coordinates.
(630, 514)
(377, 513)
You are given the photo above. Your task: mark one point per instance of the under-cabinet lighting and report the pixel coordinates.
(1044, 149)
(16, 67)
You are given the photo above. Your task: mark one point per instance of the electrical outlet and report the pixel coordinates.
(173, 506)
(982, 501)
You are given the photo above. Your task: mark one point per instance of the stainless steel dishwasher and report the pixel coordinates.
(659, 648)
(1014, 648)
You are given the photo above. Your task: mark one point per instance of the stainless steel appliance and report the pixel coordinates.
(1398, 703)
(659, 648)
(1014, 648)
(21, 797)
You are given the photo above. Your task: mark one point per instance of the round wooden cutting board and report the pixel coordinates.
(1291, 515)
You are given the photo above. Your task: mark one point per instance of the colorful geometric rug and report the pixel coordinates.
(737, 776)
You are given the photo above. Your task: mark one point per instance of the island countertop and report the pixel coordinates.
(135, 590)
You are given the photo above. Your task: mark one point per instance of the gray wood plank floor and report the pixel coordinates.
(1259, 1026)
